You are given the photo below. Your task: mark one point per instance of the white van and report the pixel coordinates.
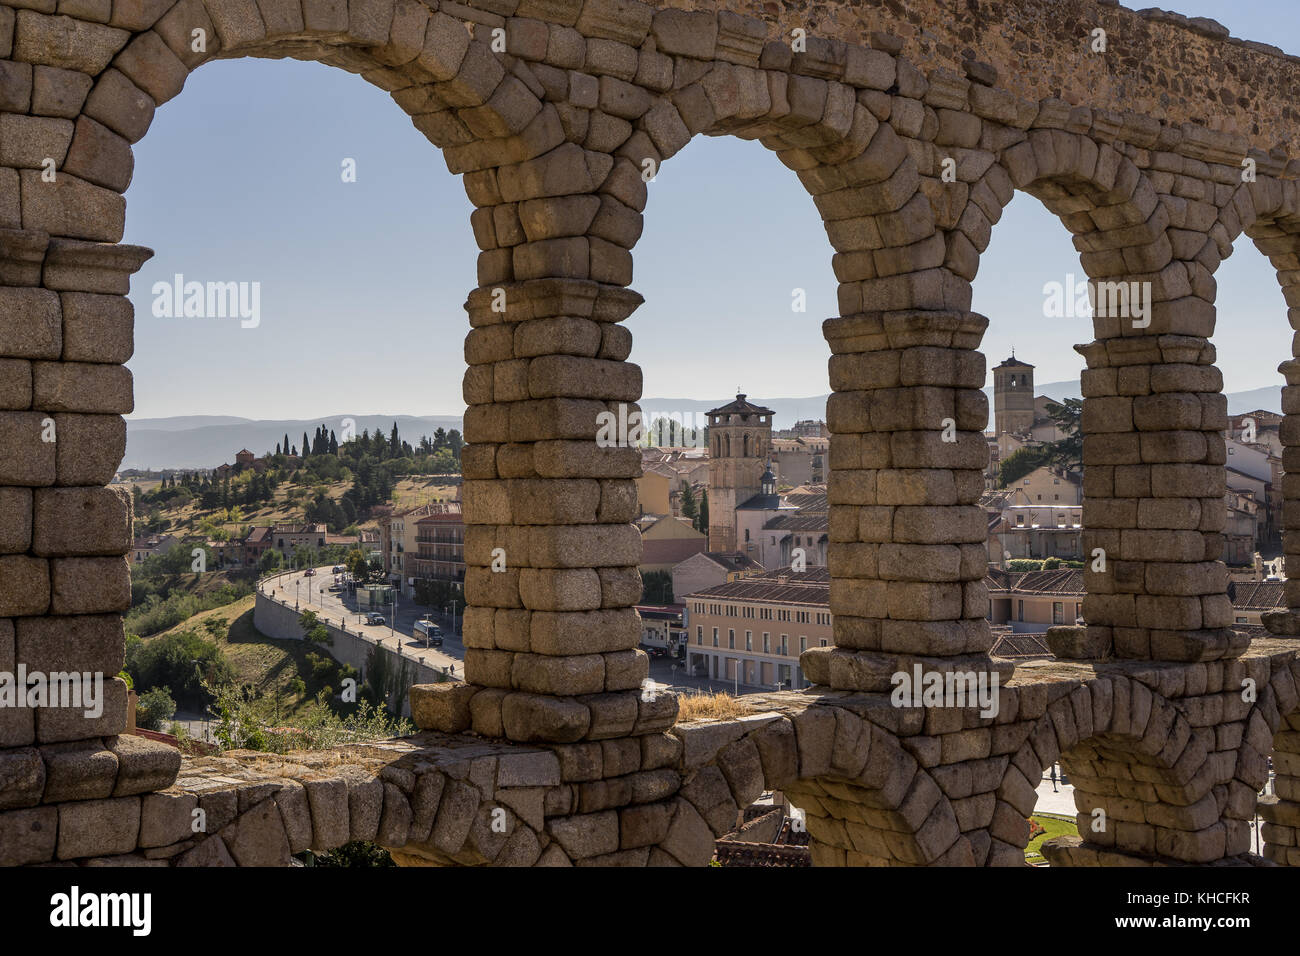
(429, 631)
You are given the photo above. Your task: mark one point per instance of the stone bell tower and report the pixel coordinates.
(1013, 397)
(740, 438)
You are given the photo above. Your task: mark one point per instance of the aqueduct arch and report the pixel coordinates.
(552, 134)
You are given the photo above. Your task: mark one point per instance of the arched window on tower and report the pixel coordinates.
(745, 447)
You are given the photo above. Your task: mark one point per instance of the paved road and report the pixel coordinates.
(311, 593)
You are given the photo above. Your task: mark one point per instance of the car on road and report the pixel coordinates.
(336, 587)
(337, 569)
(309, 572)
(373, 618)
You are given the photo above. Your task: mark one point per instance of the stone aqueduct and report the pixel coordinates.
(1139, 151)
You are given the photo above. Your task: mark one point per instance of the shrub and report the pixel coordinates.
(178, 662)
(1024, 564)
(154, 706)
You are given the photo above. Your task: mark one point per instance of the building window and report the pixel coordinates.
(1020, 612)
(1241, 620)
(1058, 612)
(823, 642)
(699, 635)
(749, 640)
(715, 637)
(731, 639)
(785, 645)
(803, 644)
(767, 643)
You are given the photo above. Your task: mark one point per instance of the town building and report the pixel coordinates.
(663, 630)
(398, 533)
(752, 630)
(797, 533)
(1033, 601)
(668, 541)
(245, 460)
(1030, 602)
(256, 543)
(1040, 516)
(151, 545)
(710, 568)
(808, 428)
(287, 538)
(800, 461)
(440, 544)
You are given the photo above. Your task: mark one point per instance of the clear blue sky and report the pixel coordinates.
(362, 284)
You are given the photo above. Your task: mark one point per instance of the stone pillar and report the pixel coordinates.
(1153, 512)
(1286, 623)
(552, 453)
(64, 580)
(907, 554)
(1280, 810)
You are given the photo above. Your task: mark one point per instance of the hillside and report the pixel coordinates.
(287, 508)
(206, 441)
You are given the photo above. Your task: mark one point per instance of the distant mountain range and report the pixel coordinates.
(205, 441)
(790, 410)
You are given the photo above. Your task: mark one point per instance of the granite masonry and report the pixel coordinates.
(1157, 148)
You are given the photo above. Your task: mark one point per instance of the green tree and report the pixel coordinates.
(358, 566)
(313, 631)
(702, 523)
(154, 707)
(657, 587)
(690, 507)
(1067, 453)
(1021, 462)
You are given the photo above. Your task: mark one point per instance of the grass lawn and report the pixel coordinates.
(1054, 825)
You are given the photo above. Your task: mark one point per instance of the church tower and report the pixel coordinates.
(740, 438)
(1013, 397)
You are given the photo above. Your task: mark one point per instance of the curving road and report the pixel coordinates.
(310, 593)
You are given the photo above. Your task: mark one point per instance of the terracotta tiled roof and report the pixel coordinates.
(671, 550)
(741, 406)
(734, 560)
(1256, 594)
(1021, 646)
(775, 587)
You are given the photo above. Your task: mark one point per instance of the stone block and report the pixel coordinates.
(98, 827)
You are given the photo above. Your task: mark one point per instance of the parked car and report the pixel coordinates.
(373, 618)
